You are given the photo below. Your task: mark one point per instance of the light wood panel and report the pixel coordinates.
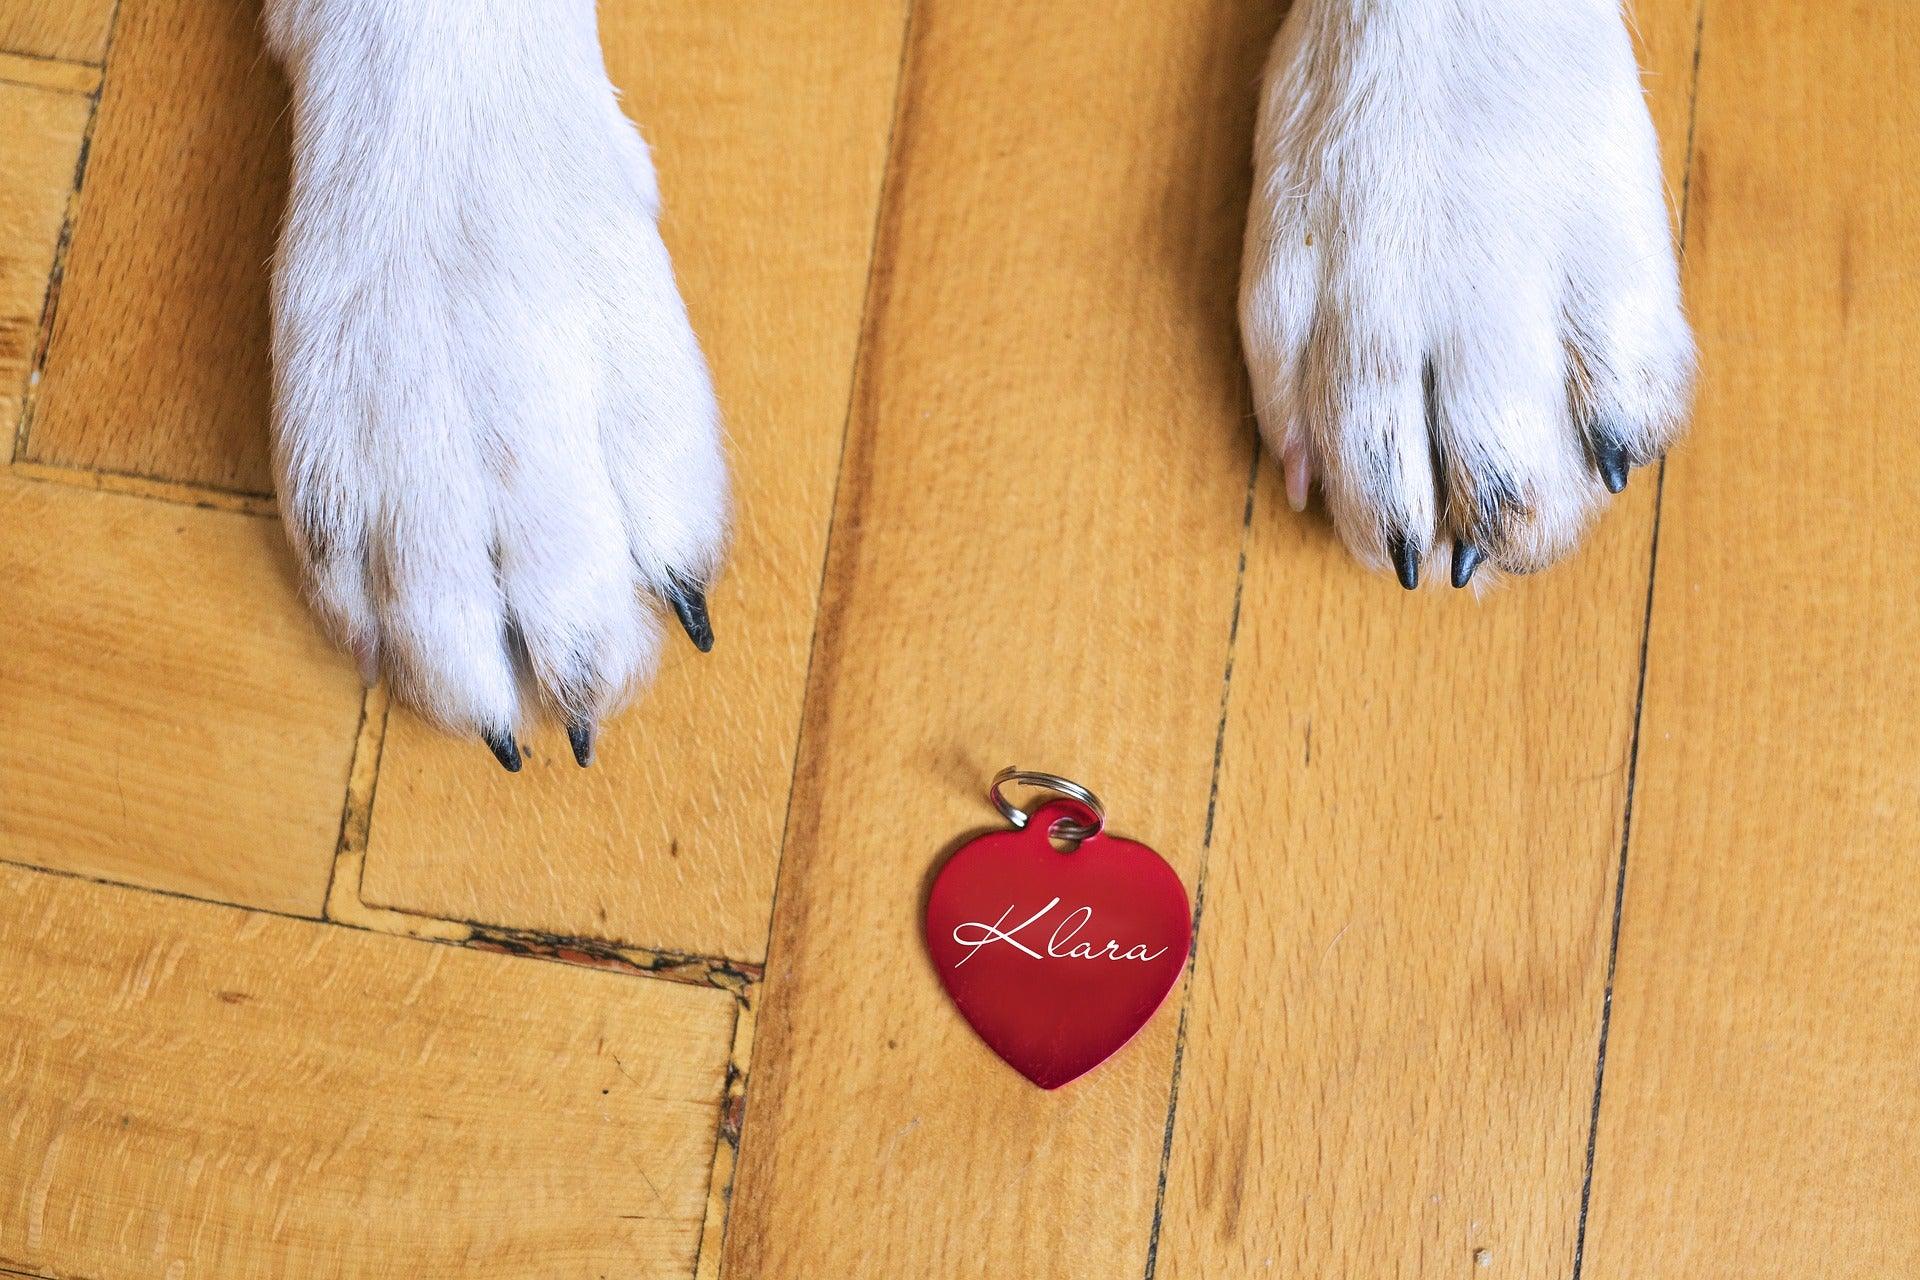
(158, 361)
(1762, 1082)
(195, 1090)
(1033, 560)
(1389, 1057)
(1389, 1051)
(169, 715)
(48, 73)
(37, 155)
(75, 30)
(769, 128)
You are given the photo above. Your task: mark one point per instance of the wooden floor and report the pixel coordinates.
(1573, 932)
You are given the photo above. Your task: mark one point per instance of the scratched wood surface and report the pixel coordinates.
(197, 1090)
(966, 275)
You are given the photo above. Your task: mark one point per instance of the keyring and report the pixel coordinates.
(1065, 829)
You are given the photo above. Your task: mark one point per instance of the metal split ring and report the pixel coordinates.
(1065, 828)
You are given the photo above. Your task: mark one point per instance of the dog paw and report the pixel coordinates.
(494, 433)
(1459, 301)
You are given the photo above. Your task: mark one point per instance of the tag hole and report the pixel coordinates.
(1060, 843)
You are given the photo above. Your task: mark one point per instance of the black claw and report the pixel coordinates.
(505, 749)
(1466, 558)
(580, 734)
(1611, 459)
(1406, 560)
(690, 603)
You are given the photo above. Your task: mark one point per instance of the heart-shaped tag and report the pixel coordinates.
(1055, 958)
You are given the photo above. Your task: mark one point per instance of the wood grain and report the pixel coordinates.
(158, 361)
(37, 155)
(1389, 1044)
(48, 73)
(74, 30)
(771, 182)
(1389, 1053)
(169, 715)
(1033, 560)
(1762, 1082)
(195, 1090)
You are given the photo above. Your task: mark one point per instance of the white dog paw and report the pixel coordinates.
(1459, 301)
(494, 430)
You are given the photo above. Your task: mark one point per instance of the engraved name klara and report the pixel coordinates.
(1060, 944)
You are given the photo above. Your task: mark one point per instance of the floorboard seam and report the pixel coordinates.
(875, 235)
(711, 1252)
(50, 299)
(356, 804)
(1633, 753)
(7, 1269)
(1619, 897)
(57, 60)
(39, 86)
(130, 484)
(345, 903)
(738, 978)
(178, 894)
(1200, 872)
(846, 428)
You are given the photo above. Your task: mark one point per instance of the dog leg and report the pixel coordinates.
(1459, 301)
(493, 428)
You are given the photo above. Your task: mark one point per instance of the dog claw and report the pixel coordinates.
(1406, 560)
(1466, 558)
(580, 734)
(1611, 460)
(690, 604)
(1298, 474)
(504, 749)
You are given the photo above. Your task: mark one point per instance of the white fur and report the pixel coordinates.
(1458, 272)
(493, 427)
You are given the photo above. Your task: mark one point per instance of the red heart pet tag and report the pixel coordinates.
(1057, 959)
